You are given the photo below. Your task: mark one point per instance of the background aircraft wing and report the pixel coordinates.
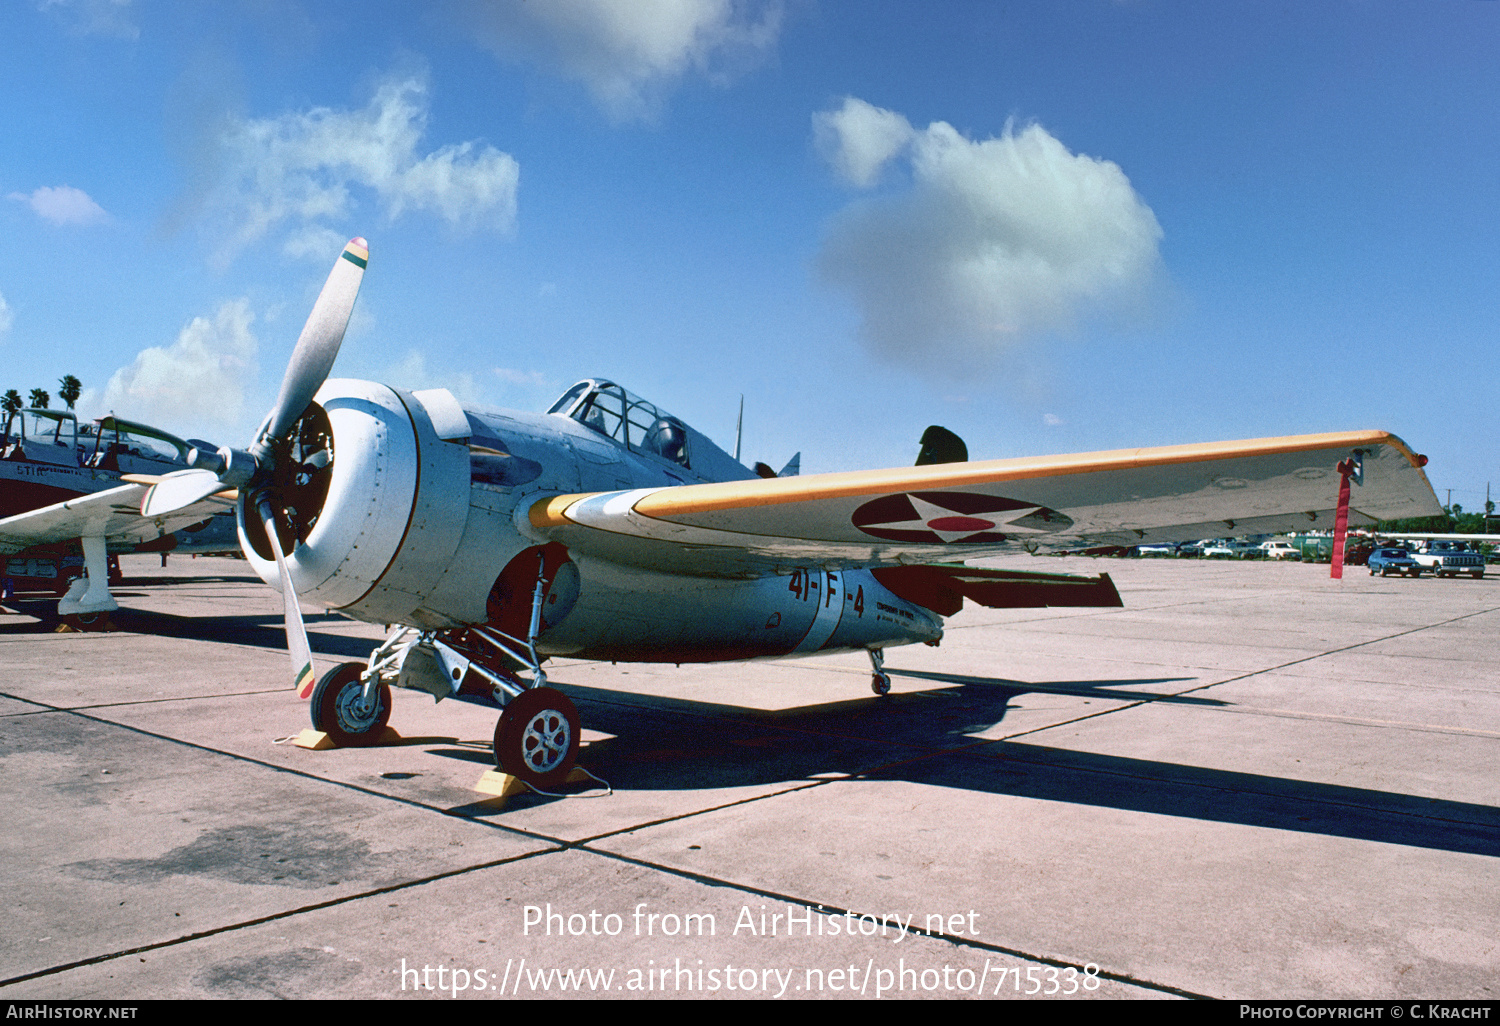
(114, 514)
(951, 511)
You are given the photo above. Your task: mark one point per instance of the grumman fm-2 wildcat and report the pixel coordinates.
(609, 529)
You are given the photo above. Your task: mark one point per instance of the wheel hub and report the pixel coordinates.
(545, 741)
(355, 714)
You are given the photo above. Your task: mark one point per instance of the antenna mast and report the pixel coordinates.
(739, 425)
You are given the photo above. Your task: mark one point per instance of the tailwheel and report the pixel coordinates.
(880, 681)
(536, 740)
(339, 709)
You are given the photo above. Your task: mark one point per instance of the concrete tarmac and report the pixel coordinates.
(1250, 782)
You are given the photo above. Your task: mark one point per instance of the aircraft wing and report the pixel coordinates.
(953, 511)
(114, 514)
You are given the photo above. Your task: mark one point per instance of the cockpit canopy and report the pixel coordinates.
(630, 420)
(55, 436)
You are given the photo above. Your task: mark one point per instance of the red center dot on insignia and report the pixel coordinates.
(959, 524)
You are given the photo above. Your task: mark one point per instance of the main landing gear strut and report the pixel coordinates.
(536, 738)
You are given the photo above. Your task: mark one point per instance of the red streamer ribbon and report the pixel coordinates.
(1341, 521)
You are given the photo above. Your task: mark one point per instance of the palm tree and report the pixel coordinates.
(11, 403)
(40, 398)
(70, 389)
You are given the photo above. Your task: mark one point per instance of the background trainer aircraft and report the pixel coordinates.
(607, 528)
(65, 487)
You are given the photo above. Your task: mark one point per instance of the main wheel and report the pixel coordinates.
(339, 709)
(880, 683)
(536, 739)
(89, 623)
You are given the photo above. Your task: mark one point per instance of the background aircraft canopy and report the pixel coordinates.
(45, 427)
(123, 444)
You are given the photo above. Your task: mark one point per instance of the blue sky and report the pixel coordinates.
(1051, 227)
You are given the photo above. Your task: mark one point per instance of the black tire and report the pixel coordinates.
(536, 739)
(336, 708)
(89, 623)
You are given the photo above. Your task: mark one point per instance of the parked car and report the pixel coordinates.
(1449, 558)
(1156, 549)
(1280, 550)
(1232, 549)
(1216, 548)
(1386, 561)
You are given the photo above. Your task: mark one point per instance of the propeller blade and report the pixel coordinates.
(178, 489)
(296, 634)
(321, 337)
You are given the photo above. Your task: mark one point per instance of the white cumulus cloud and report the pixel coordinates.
(628, 53)
(994, 242)
(202, 377)
(62, 204)
(5, 316)
(859, 139)
(301, 167)
(314, 241)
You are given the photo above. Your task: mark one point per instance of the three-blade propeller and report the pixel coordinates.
(253, 470)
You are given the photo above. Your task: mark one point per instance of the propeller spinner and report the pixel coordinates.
(280, 472)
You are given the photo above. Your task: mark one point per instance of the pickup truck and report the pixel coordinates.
(1448, 559)
(1280, 550)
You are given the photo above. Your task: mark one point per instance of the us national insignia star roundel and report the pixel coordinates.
(948, 517)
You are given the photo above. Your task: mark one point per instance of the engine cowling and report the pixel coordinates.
(386, 515)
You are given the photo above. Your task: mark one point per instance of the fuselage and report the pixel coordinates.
(420, 519)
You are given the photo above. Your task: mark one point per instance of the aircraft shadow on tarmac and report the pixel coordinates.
(928, 737)
(924, 737)
(258, 631)
(144, 581)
